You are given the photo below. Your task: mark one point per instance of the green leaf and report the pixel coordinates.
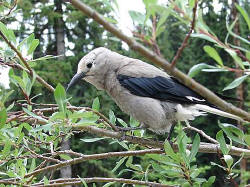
(118, 164)
(83, 182)
(215, 70)
(223, 146)
(209, 182)
(213, 53)
(33, 165)
(133, 122)
(111, 20)
(16, 79)
(45, 180)
(247, 139)
(235, 57)
(195, 173)
(235, 83)
(137, 17)
(8, 33)
(229, 160)
(112, 117)
(122, 122)
(96, 104)
(4, 30)
(3, 117)
(214, 164)
(60, 97)
(229, 29)
(203, 36)
(44, 58)
(44, 128)
(25, 45)
(170, 152)
(150, 8)
(163, 18)
(233, 132)
(197, 68)
(238, 161)
(195, 148)
(7, 148)
(191, 3)
(34, 115)
(109, 184)
(65, 157)
(88, 118)
(244, 14)
(91, 139)
(33, 46)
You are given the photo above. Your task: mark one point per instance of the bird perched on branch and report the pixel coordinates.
(143, 91)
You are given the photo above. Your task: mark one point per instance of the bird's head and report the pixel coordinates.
(91, 67)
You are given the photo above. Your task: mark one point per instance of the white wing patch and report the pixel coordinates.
(194, 98)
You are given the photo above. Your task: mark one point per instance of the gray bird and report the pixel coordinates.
(143, 91)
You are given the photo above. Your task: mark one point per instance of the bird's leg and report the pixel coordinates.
(187, 123)
(170, 133)
(122, 138)
(125, 129)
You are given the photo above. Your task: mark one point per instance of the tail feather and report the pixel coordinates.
(217, 112)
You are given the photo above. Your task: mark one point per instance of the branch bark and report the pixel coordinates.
(210, 96)
(75, 181)
(93, 157)
(204, 147)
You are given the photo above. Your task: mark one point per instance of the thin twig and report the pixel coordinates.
(185, 41)
(209, 138)
(10, 9)
(28, 70)
(12, 183)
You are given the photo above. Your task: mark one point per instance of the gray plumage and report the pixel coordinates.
(141, 90)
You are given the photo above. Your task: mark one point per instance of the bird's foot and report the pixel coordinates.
(125, 129)
(123, 135)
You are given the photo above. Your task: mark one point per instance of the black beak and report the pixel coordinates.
(75, 79)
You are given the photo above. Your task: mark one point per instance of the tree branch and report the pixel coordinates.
(210, 96)
(185, 41)
(204, 147)
(94, 157)
(202, 133)
(28, 70)
(75, 181)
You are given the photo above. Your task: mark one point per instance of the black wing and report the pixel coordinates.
(164, 89)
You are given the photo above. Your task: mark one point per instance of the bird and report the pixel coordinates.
(148, 94)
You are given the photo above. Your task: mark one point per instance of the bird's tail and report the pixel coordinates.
(212, 110)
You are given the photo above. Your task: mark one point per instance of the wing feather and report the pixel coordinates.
(162, 88)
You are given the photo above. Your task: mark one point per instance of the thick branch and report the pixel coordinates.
(210, 96)
(204, 147)
(94, 157)
(75, 181)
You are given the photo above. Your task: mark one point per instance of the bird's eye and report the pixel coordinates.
(89, 65)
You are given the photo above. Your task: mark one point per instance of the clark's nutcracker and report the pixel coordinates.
(143, 91)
